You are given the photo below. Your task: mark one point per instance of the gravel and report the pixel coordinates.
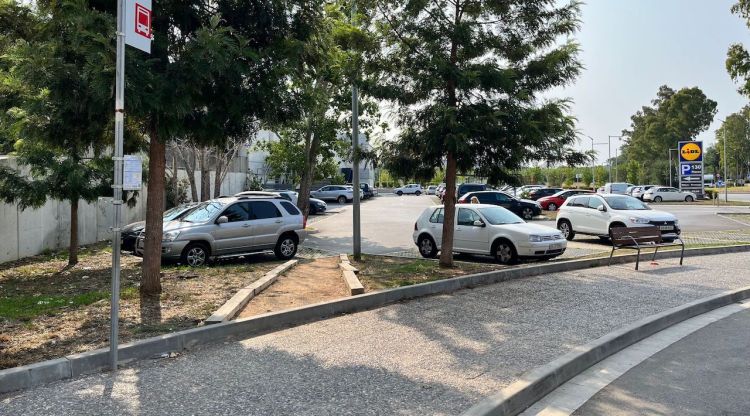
(435, 355)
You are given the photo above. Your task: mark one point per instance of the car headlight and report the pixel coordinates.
(559, 237)
(170, 235)
(538, 205)
(636, 220)
(676, 221)
(535, 238)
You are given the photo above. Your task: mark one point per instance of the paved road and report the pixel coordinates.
(706, 373)
(430, 356)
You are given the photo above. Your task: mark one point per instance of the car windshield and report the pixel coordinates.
(203, 212)
(499, 215)
(625, 203)
(175, 212)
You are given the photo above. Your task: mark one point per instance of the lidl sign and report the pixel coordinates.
(691, 151)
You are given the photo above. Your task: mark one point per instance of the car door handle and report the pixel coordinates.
(278, 221)
(245, 225)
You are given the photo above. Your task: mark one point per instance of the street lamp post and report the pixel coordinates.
(356, 232)
(609, 142)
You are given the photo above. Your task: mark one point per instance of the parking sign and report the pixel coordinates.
(691, 166)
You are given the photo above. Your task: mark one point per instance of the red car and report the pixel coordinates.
(553, 202)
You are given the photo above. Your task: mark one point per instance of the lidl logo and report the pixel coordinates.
(691, 151)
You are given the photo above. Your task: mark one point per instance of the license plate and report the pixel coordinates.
(555, 246)
(666, 227)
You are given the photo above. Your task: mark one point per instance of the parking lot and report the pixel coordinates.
(388, 222)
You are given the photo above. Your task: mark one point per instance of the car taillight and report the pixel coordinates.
(461, 201)
(304, 222)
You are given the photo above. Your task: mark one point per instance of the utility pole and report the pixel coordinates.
(356, 235)
(609, 141)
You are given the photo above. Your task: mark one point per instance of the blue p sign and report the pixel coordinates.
(686, 170)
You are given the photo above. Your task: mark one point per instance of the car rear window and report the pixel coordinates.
(290, 208)
(260, 210)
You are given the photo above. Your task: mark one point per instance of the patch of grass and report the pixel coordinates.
(379, 272)
(29, 307)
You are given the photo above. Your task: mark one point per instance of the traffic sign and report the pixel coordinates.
(138, 24)
(691, 151)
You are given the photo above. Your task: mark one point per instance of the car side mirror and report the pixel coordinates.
(602, 208)
(222, 220)
(478, 223)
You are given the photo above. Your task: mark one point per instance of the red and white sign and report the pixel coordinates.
(138, 24)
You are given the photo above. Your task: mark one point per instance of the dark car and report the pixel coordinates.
(130, 232)
(524, 208)
(535, 194)
(470, 187)
(367, 191)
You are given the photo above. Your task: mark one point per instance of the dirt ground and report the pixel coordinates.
(48, 310)
(311, 281)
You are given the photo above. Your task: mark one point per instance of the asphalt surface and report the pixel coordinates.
(436, 355)
(706, 373)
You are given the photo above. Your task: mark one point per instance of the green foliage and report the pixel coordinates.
(29, 307)
(673, 117)
(734, 133)
(469, 83)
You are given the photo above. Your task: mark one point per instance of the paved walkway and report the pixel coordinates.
(436, 355)
(706, 373)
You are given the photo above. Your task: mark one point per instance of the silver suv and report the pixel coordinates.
(233, 226)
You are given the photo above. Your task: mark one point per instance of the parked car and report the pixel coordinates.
(520, 191)
(469, 187)
(490, 230)
(317, 206)
(616, 187)
(340, 193)
(233, 226)
(410, 189)
(598, 214)
(537, 193)
(553, 202)
(665, 193)
(431, 190)
(367, 191)
(129, 233)
(638, 191)
(524, 208)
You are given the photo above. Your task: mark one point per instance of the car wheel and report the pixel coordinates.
(195, 255)
(341, 199)
(286, 247)
(552, 207)
(614, 226)
(417, 193)
(505, 253)
(527, 213)
(399, 193)
(688, 198)
(427, 247)
(657, 199)
(566, 230)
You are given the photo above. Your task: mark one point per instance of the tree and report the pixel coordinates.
(215, 68)
(734, 133)
(59, 114)
(468, 78)
(673, 117)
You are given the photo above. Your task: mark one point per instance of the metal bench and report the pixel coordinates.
(637, 238)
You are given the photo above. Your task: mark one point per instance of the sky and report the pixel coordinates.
(631, 47)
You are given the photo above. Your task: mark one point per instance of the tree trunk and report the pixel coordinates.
(151, 278)
(449, 212)
(218, 177)
(312, 146)
(73, 244)
(205, 176)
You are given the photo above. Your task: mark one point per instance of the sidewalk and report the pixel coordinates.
(436, 355)
(706, 373)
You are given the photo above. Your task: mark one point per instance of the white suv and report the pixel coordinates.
(597, 214)
(412, 188)
(490, 230)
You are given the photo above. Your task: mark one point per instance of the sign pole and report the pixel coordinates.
(117, 196)
(356, 232)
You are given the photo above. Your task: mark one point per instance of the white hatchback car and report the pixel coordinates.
(412, 188)
(490, 230)
(597, 214)
(666, 193)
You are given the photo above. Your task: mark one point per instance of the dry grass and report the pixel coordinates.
(48, 310)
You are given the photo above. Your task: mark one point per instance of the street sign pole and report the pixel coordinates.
(356, 235)
(117, 195)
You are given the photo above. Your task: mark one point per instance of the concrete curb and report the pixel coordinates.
(541, 381)
(231, 307)
(350, 277)
(92, 361)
